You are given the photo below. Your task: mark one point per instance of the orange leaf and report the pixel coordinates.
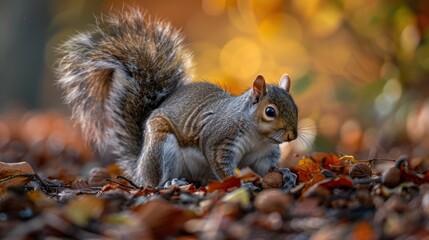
(318, 157)
(327, 160)
(318, 177)
(363, 230)
(113, 186)
(306, 169)
(250, 177)
(8, 171)
(224, 185)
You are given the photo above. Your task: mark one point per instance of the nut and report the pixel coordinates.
(360, 170)
(392, 177)
(272, 180)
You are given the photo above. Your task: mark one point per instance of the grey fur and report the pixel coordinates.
(114, 75)
(125, 81)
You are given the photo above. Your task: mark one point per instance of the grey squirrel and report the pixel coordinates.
(127, 80)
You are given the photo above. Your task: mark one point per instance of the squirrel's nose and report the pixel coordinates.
(291, 135)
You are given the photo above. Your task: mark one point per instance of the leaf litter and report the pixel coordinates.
(334, 197)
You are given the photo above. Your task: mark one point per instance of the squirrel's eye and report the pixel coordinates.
(270, 112)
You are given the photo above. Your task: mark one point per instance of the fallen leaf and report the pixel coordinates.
(163, 218)
(10, 174)
(224, 185)
(84, 208)
(318, 177)
(328, 161)
(113, 186)
(337, 182)
(250, 177)
(40, 200)
(306, 169)
(240, 196)
(412, 176)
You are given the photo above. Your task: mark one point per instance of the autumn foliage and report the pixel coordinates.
(335, 197)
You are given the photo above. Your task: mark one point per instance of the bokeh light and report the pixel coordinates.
(359, 69)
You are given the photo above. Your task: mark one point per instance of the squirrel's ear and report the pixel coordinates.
(285, 82)
(259, 88)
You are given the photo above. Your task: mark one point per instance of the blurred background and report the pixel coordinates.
(359, 69)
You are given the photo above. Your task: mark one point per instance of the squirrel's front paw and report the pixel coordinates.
(289, 179)
(176, 181)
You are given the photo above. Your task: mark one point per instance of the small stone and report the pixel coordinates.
(360, 170)
(272, 180)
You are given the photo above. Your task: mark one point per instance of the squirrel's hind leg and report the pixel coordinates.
(171, 159)
(157, 160)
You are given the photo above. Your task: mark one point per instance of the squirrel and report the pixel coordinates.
(128, 81)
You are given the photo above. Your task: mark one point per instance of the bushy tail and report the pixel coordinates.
(115, 74)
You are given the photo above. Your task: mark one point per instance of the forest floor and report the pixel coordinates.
(53, 188)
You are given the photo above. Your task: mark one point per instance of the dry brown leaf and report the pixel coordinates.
(84, 208)
(10, 174)
(225, 185)
(163, 218)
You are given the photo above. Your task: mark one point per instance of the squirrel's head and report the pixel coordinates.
(276, 112)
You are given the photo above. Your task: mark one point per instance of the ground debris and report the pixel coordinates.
(52, 187)
(334, 198)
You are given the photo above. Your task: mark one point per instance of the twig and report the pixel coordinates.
(379, 159)
(44, 183)
(129, 181)
(120, 184)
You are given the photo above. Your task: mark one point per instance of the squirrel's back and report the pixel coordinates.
(115, 74)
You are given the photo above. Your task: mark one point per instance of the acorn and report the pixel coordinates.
(392, 177)
(272, 180)
(360, 170)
